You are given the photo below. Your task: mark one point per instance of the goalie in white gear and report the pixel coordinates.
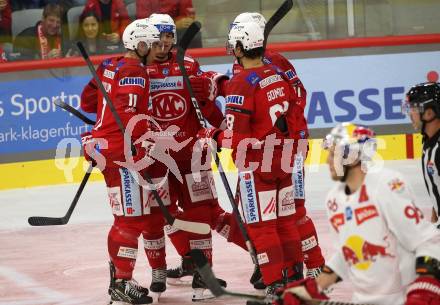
(385, 246)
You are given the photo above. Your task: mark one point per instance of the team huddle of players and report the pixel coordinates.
(264, 125)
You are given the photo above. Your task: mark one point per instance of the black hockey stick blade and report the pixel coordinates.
(73, 111)
(211, 281)
(276, 17)
(56, 221)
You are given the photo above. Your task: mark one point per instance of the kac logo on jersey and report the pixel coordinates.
(253, 78)
(132, 81)
(168, 106)
(235, 99)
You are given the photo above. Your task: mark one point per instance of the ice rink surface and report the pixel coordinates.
(68, 264)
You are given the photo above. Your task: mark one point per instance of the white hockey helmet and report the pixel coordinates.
(139, 31)
(351, 138)
(250, 17)
(249, 34)
(164, 23)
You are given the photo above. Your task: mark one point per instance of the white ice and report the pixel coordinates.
(68, 264)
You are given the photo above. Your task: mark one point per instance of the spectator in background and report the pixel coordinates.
(89, 33)
(44, 40)
(26, 4)
(113, 15)
(5, 21)
(182, 12)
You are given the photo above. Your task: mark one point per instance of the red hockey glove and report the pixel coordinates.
(297, 292)
(424, 290)
(204, 88)
(89, 147)
(206, 134)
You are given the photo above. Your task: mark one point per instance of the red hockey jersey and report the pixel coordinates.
(127, 84)
(296, 120)
(255, 100)
(171, 102)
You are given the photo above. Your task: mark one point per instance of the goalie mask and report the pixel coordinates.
(249, 34)
(350, 144)
(139, 31)
(250, 17)
(164, 23)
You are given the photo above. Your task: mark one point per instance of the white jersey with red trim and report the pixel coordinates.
(380, 232)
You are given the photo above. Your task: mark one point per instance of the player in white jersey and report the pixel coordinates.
(384, 245)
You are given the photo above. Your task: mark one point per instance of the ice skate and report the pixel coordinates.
(158, 283)
(181, 275)
(270, 294)
(122, 292)
(200, 290)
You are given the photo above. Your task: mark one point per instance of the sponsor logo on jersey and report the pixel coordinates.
(235, 100)
(309, 243)
(107, 86)
(132, 81)
(202, 244)
(127, 252)
(348, 213)
(114, 196)
(262, 258)
(199, 187)
(109, 74)
(266, 60)
(154, 244)
(361, 254)
(270, 80)
(397, 185)
(253, 78)
(168, 83)
(152, 70)
(165, 71)
(337, 220)
(168, 106)
(268, 205)
(249, 198)
(298, 177)
(130, 193)
(363, 196)
(365, 213)
(290, 74)
(286, 205)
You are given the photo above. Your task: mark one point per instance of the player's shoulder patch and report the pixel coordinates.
(290, 74)
(253, 78)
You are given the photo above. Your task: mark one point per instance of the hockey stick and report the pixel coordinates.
(189, 226)
(214, 286)
(276, 17)
(54, 221)
(193, 29)
(73, 111)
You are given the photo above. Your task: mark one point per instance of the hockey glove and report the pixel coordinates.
(205, 89)
(89, 147)
(297, 292)
(425, 290)
(208, 134)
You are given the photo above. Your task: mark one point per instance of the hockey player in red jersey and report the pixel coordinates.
(257, 104)
(127, 83)
(297, 123)
(171, 106)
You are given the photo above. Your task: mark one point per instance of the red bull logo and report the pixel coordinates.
(396, 185)
(361, 253)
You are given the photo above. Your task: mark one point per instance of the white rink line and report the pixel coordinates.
(44, 295)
